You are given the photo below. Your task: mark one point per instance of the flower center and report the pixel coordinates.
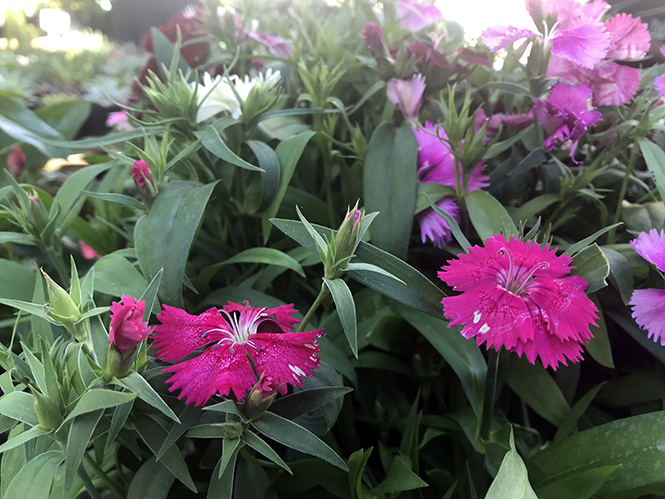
(240, 326)
(517, 276)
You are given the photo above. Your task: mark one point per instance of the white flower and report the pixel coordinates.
(223, 98)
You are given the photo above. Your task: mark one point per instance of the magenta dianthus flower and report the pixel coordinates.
(518, 295)
(436, 165)
(230, 335)
(565, 115)
(647, 304)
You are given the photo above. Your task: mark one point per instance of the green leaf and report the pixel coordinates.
(153, 434)
(534, 206)
(111, 138)
(569, 423)
(17, 282)
(621, 273)
(346, 309)
(134, 382)
(488, 216)
(536, 387)
(161, 245)
(463, 355)
(268, 256)
(96, 399)
(22, 438)
(269, 162)
(120, 415)
(164, 52)
(255, 442)
(301, 402)
(639, 437)
(152, 481)
(399, 478)
(66, 117)
(19, 406)
(213, 142)
(222, 487)
(599, 347)
(457, 232)
(23, 125)
(582, 486)
(512, 480)
(319, 243)
(504, 145)
(592, 265)
(654, 157)
(419, 292)
(295, 436)
(113, 197)
(36, 477)
(188, 417)
(16, 238)
(100, 341)
(230, 447)
(78, 439)
(149, 296)
(389, 185)
(357, 462)
(116, 276)
(368, 267)
(288, 152)
(579, 246)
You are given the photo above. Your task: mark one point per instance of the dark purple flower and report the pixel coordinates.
(565, 115)
(374, 41)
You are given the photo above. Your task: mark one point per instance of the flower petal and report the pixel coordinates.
(659, 83)
(651, 247)
(499, 37)
(433, 226)
(629, 37)
(283, 316)
(492, 315)
(213, 371)
(613, 84)
(649, 313)
(407, 95)
(180, 333)
(585, 45)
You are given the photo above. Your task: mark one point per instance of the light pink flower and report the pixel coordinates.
(16, 162)
(127, 326)
(88, 252)
(416, 16)
(119, 120)
(518, 295)
(629, 37)
(565, 115)
(229, 336)
(659, 82)
(647, 304)
(436, 165)
(407, 95)
(141, 173)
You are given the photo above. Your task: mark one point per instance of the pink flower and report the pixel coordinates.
(141, 173)
(647, 304)
(415, 16)
(276, 45)
(127, 326)
(659, 82)
(629, 37)
(407, 95)
(436, 165)
(88, 252)
(374, 41)
(229, 336)
(565, 115)
(16, 162)
(119, 120)
(517, 295)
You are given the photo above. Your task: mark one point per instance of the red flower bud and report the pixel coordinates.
(127, 326)
(16, 162)
(141, 173)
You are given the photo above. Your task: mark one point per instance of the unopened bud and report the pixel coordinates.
(374, 41)
(62, 304)
(141, 174)
(119, 363)
(48, 414)
(260, 397)
(16, 162)
(38, 217)
(348, 235)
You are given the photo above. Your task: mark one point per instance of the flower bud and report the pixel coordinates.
(348, 234)
(127, 326)
(62, 303)
(119, 363)
(374, 41)
(141, 173)
(16, 162)
(261, 397)
(48, 414)
(37, 215)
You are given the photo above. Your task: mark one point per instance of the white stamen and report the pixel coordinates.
(476, 316)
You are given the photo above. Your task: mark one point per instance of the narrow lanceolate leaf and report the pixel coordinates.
(368, 267)
(346, 310)
(419, 292)
(457, 232)
(22, 438)
(166, 246)
(212, 141)
(488, 216)
(152, 481)
(301, 402)
(18, 406)
(654, 157)
(77, 442)
(255, 442)
(592, 265)
(389, 186)
(636, 441)
(96, 399)
(35, 479)
(295, 436)
(134, 382)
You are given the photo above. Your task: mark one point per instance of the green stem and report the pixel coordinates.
(111, 484)
(322, 294)
(490, 393)
(611, 237)
(87, 483)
